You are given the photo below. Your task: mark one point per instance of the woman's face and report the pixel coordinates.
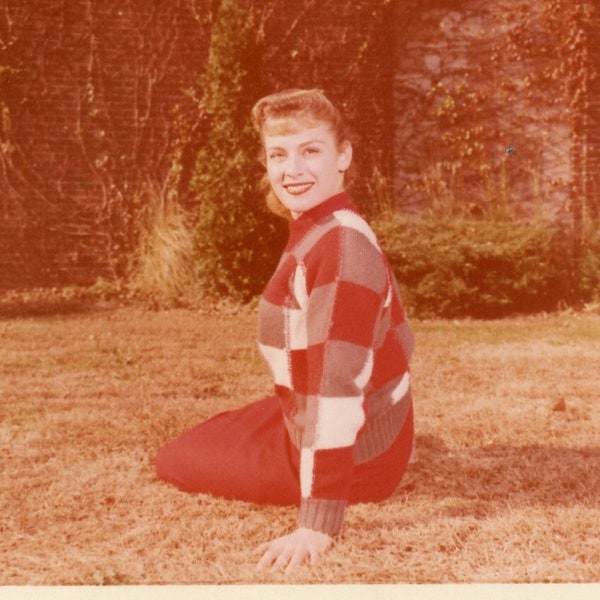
(306, 167)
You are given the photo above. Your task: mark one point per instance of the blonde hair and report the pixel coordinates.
(290, 111)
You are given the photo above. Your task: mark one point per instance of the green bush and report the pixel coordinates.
(589, 266)
(480, 268)
(238, 242)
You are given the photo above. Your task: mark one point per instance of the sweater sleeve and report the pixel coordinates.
(344, 285)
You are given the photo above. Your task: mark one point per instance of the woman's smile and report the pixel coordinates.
(297, 189)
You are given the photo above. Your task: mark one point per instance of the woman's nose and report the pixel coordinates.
(294, 165)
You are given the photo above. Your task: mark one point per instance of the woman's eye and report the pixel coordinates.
(311, 150)
(276, 155)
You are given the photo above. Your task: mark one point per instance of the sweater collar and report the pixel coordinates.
(301, 225)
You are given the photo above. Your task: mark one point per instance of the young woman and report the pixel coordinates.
(339, 427)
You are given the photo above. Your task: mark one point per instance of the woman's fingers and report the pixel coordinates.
(283, 561)
(277, 557)
(296, 560)
(266, 560)
(262, 548)
(288, 552)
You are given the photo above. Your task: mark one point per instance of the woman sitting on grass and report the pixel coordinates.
(339, 428)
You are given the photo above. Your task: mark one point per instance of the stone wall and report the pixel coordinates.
(480, 116)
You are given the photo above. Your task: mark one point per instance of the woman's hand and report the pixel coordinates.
(287, 552)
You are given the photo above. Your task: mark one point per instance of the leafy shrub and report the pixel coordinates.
(238, 242)
(589, 267)
(478, 268)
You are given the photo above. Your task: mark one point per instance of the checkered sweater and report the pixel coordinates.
(332, 329)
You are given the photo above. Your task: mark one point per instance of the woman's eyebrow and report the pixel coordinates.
(302, 145)
(315, 141)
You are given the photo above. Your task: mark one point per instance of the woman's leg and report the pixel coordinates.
(243, 454)
(246, 454)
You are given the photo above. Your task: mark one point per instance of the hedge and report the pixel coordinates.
(486, 268)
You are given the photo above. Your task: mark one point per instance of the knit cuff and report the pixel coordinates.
(322, 515)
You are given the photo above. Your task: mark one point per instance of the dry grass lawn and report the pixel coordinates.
(506, 488)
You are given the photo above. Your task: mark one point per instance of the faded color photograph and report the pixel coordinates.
(299, 292)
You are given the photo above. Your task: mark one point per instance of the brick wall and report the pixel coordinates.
(88, 94)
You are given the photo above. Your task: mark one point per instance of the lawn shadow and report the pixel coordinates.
(46, 303)
(480, 478)
(43, 309)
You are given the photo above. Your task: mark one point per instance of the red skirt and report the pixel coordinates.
(246, 454)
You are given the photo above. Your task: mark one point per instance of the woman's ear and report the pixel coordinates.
(345, 157)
